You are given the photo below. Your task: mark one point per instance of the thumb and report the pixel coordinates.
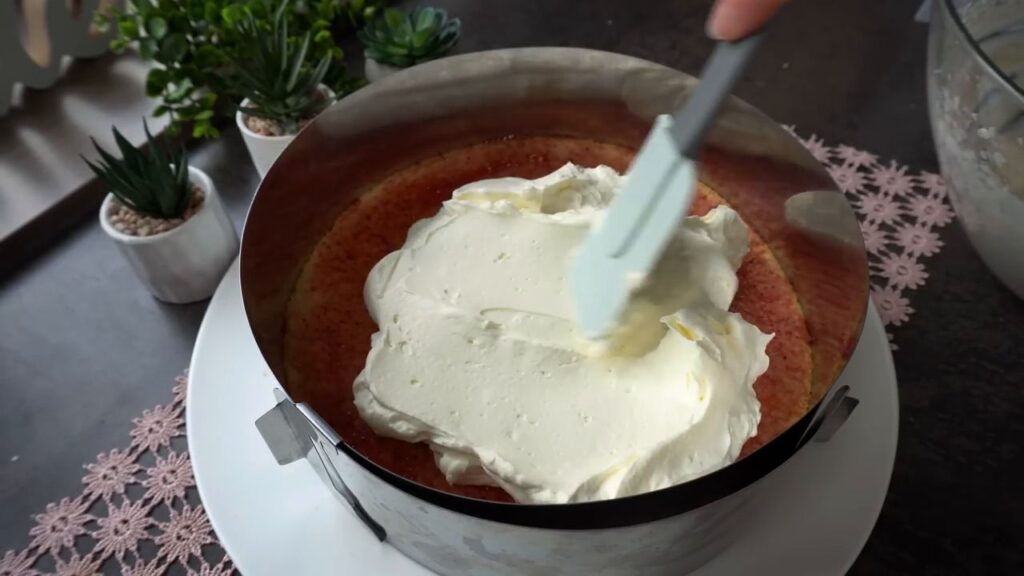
(735, 19)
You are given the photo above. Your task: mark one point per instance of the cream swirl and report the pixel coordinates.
(477, 353)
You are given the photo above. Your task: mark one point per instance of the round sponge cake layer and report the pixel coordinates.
(327, 336)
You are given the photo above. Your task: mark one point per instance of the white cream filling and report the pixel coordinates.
(478, 355)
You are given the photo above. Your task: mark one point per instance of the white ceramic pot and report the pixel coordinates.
(264, 150)
(375, 70)
(184, 264)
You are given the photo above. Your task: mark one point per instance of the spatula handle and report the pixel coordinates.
(720, 74)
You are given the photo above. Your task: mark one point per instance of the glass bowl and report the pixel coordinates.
(976, 70)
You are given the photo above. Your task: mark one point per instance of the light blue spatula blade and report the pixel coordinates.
(620, 253)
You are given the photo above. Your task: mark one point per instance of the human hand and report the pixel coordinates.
(736, 19)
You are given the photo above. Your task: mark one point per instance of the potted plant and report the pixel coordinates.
(282, 89)
(166, 218)
(192, 44)
(397, 39)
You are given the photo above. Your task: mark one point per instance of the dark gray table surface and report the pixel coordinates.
(84, 348)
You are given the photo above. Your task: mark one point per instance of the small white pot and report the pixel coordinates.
(264, 150)
(184, 264)
(374, 70)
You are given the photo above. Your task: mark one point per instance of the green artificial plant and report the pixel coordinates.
(193, 43)
(154, 183)
(273, 73)
(402, 39)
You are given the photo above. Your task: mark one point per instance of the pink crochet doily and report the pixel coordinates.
(139, 512)
(900, 215)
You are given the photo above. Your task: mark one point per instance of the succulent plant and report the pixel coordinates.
(402, 39)
(273, 73)
(152, 184)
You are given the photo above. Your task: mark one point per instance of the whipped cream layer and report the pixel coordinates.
(477, 353)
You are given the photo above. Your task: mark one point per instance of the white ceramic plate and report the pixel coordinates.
(820, 509)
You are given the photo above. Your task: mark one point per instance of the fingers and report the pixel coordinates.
(735, 19)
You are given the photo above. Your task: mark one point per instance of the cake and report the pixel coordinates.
(329, 329)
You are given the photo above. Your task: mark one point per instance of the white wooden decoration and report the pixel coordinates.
(35, 36)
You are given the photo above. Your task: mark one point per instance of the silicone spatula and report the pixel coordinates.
(626, 245)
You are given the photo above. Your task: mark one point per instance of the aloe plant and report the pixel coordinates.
(402, 39)
(273, 72)
(154, 183)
